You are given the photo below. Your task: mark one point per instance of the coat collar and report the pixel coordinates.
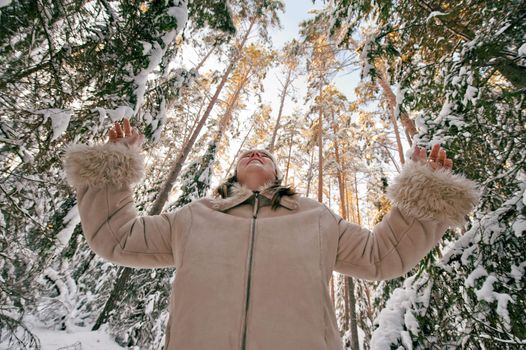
(240, 193)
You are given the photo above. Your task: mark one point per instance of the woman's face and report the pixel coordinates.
(255, 168)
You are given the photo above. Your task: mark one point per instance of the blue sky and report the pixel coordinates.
(296, 12)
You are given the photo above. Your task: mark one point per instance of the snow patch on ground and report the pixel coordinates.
(82, 338)
(75, 338)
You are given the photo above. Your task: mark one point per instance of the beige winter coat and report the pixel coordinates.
(249, 277)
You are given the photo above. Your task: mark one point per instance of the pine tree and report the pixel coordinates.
(70, 70)
(461, 73)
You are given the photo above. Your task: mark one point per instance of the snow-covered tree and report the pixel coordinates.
(69, 70)
(459, 73)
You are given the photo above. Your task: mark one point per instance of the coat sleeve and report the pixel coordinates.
(102, 176)
(425, 204)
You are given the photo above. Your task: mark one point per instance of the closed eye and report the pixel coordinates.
(260, 154)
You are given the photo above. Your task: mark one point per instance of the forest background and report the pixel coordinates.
(341, 103)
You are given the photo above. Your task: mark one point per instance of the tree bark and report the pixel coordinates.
(288, 159)
(355, 343)
(359, 220)
(118, 289)
(320, 151)
(350, 204)
(391, 101)
(227, 115)
(409, 125)
(309, 174)
(204, 59)
(339, 171)
(347, 312)
(331, 288)
(280, 111)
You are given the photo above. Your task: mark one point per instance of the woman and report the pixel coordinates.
(253, 265)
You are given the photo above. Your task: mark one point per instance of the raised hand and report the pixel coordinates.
(125, 134)
(437, 159)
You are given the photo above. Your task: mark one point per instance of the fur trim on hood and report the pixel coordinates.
(280, 195)
(440, 195)
(114, 164)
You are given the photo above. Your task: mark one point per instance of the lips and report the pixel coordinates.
(252, 160)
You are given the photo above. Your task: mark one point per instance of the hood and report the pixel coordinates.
(240, 193)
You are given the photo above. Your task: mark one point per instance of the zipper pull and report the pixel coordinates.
(256, 205)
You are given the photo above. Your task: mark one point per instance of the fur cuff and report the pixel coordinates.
(440, 195)
(113, 164)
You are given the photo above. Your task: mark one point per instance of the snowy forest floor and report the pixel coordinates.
(75, 338)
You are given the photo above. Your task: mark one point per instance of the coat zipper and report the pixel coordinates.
(249, 266)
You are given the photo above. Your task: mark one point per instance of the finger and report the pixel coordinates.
(448, 163)
(416, 154)
(127, 127)
(112, 135)
(118, 129)
(136, 140)
(423, 153)
(434, 152)
(441, 156)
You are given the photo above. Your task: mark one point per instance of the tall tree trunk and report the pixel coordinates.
(118, 289)
(227, 115)
(329, 182)
(355, 343)
(183, 153)
(172, 176)
(331, 288)
(204, 59)
(341, 183)
(239, 149)
(320, 152)
(347, 312)
(359, 220)
(186, 136)
(280, 111)
(339, 171)
(170, 104)
(344, 187)
(409, 125)
(288, 159)
(309, 174)
(399, 146)
(351, 210)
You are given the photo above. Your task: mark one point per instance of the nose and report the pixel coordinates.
(255, 155)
